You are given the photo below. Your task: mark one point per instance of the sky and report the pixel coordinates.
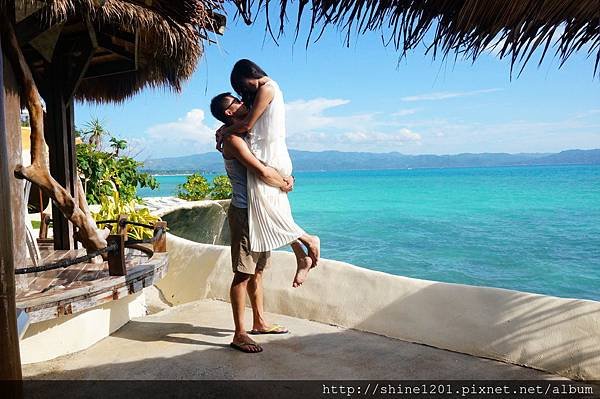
(362, 97)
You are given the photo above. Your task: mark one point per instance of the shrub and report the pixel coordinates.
(195, 188)
(221, 188)
(111, 206)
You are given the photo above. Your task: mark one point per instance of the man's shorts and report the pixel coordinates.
(243, 260)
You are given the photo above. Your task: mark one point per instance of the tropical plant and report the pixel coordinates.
(95, 133)
(112, 206)
(221, 188)
(103, 172)
(117, 145)
(195, 188)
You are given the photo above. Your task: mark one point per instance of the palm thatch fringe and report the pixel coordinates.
(170, 39)
(465, 28)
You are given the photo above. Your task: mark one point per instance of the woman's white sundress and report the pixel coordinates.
(270, 220)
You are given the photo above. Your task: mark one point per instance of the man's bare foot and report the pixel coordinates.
(304, 265)
(268, 329)
(244, 343)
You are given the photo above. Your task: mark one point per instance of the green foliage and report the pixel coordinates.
(195, 188)
(112, 206)
(104, 172)
(95, 133)
(117, 145)
(221, 188)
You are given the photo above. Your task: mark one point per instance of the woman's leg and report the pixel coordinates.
(303, 261)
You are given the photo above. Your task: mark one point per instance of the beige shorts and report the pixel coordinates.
(243, 260)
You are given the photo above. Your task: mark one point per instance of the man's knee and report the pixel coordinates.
(257, 275)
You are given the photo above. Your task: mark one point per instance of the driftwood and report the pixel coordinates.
(38, 172)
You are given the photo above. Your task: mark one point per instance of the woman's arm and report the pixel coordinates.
(264, 96)
(236, 147)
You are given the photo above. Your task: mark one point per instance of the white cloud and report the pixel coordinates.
(187, 135)
(443, 95)
(308, 115)
(448, 136)
(309, 127)
(405, 112)
(321, 124)
(397, 138)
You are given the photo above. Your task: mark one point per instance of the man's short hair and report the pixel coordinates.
(219, 104)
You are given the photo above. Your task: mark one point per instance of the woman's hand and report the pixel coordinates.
(289, 184)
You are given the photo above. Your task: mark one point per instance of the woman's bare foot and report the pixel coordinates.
(304, 265)
(313, 243)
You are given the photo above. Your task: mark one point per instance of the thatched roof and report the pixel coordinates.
(169, 34)
(167, 38)
(463, 28)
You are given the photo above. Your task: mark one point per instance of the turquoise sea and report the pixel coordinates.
(534, 229)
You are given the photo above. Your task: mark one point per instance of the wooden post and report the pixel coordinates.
(44, 222)
(61, 142)
(160, 245)
(10, 361)
(123, 229)
(116, 259)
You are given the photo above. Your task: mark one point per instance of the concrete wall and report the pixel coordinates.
(68, 334)
(558, 335)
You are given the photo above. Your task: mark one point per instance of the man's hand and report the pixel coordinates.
(289, 184)
(219, 138)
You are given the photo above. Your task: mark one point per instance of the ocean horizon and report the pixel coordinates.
(528, 228)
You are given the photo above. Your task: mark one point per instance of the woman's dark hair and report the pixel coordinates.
(245, 69)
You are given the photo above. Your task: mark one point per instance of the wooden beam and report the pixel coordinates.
(77, 67)
(33, 25)
(106, 42)
(10, 361)
(112, 68)
(58, 133)
(74, 54)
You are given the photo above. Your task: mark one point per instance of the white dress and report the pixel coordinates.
(270, 220)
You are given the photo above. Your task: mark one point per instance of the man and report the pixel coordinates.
(247, 266)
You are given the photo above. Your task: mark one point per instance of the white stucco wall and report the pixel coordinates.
(558, 335)
(68, 334)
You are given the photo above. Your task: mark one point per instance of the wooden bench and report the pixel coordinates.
(59, 292)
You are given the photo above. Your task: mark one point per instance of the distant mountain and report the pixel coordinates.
(579, 157)
(210, 161)
(336, 160)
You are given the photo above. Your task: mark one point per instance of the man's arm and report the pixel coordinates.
(237, 148)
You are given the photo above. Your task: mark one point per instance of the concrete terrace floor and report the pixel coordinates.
(191, 341)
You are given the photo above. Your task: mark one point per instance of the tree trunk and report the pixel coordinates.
(38, 172)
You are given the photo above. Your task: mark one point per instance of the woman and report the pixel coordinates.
(269, 214)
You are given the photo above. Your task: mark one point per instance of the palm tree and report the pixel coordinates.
(96, 132)
(117, 145)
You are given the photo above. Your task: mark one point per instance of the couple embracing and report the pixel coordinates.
(252, 141)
